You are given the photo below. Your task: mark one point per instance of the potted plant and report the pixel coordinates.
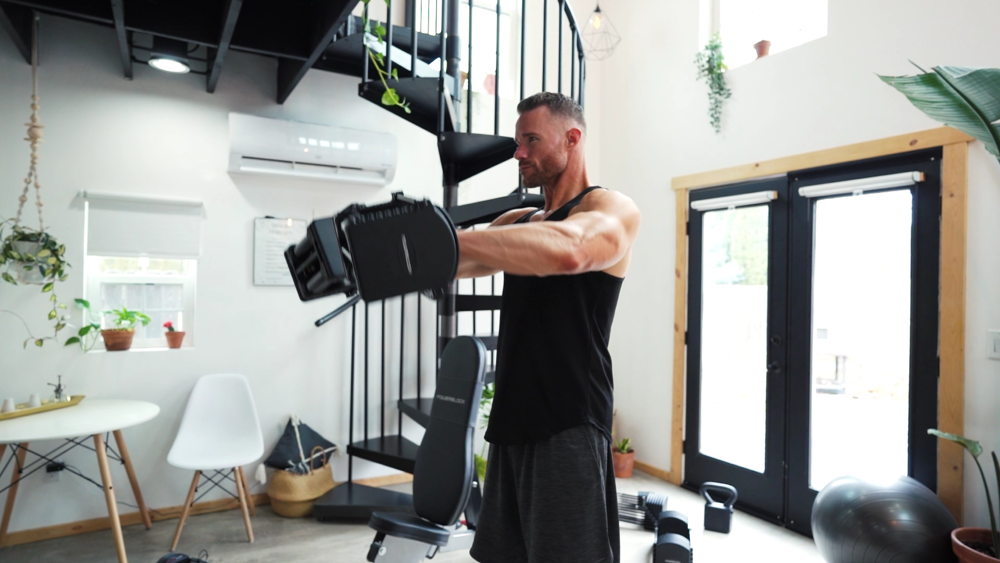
(763, 48)
(712, 67)
(485, 406)
(624, 458)
(964, 98)
(174, 336)
(119, 337)
(975, 545)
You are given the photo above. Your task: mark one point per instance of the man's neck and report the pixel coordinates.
(566, 186)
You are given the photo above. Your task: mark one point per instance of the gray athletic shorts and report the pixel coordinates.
(552, 501)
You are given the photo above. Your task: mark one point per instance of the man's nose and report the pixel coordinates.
(521, 153)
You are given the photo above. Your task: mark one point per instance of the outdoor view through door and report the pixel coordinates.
(812, 332)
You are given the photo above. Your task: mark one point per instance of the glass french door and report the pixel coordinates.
(812, 332)
(738, 237)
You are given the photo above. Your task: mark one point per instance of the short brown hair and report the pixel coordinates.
(557, 103)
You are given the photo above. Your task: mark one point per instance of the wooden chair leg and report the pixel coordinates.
(243, 503)
(109, 496)
(246, 487)
(123, 450)
(15, 475)
(187, 510)
(19, 452)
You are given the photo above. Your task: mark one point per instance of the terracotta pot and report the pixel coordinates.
(623, 464)
(961, 537)
(174, 338)
(763, 47)
(117, 340)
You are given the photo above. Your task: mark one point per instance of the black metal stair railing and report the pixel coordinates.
(463, 154)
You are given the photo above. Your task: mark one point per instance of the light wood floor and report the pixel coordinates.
(306, 541)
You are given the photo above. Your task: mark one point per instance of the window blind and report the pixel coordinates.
(127, 225)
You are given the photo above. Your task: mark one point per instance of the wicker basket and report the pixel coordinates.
(292, 495)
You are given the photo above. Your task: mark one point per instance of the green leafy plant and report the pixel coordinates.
(47, 261)
(389, 97)
(975, 449)
(711, 66)
(623, 446)
(967, 99)
(125, 319)
(485, 404)
(87, 334)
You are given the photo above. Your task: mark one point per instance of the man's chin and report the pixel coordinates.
(530, 181)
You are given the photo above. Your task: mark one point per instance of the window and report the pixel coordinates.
(484, 40)
(161, 288)
(785, 23)
(141, 253)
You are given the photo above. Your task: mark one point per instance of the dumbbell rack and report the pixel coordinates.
(435, 102)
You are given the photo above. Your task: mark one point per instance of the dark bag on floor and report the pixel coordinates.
(181, 558)
(289, 453)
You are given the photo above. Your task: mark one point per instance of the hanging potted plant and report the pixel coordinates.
(119, 336)
(624, 458)
(29, 256)
(975, 545)
(712, 67)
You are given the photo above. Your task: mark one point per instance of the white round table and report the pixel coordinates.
(94, 418)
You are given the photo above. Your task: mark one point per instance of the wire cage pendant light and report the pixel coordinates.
(600, 36)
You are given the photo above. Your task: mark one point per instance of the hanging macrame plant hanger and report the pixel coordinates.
(34, 138)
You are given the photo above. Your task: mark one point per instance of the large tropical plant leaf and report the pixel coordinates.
(972, 445)
(967, 99)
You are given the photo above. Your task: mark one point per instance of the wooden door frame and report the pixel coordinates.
(954, 206)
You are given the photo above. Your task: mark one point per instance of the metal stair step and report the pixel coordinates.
(392, 451)
(477, 302)
(421, 94)
(463, 155)
(487, 210)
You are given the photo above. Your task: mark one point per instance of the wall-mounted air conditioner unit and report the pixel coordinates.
(258, 145)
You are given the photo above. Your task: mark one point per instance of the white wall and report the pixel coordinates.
(821, 95)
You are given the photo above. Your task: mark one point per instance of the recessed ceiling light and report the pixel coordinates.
(169, 65)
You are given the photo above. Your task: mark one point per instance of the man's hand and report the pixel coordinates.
(596, 236)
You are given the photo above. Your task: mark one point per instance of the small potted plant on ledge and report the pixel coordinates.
(624, 458)
(174, 336)
(119, 337)
(975, 545)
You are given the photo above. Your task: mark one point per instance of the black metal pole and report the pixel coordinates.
(413, 55)
(420, 365)
(545, 39)
(474, 312)
(524, 17)
(561, 14)
(441, 91)
(446, 305)
(336, 312)
(365, 59)
(350, 424)
(366, 371)
(468, 77)
(388, 39)
(382, 365)
(411, 14)
(496, 81)
(402, 353)
(572, 66)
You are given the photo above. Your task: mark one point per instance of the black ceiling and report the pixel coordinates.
(301, 34)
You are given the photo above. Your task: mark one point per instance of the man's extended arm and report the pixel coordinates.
(594, 237)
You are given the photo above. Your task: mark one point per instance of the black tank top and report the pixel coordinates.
(553, 368)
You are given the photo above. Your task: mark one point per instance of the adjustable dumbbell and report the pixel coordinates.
(376, 252)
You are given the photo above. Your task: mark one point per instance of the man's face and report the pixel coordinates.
(542, 150)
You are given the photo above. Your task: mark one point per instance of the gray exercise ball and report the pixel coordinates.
(902, 521)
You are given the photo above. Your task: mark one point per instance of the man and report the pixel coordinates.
(549, 493)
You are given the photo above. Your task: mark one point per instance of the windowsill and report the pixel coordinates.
(102, 351)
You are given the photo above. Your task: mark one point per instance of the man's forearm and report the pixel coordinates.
(527, 250)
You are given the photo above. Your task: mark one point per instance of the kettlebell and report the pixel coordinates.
(719, 515)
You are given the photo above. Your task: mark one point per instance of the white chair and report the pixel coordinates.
(219, 432)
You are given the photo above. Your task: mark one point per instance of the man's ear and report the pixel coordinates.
(573, 136)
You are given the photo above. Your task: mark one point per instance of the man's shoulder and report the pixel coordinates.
(512, 216)
(606, 200)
